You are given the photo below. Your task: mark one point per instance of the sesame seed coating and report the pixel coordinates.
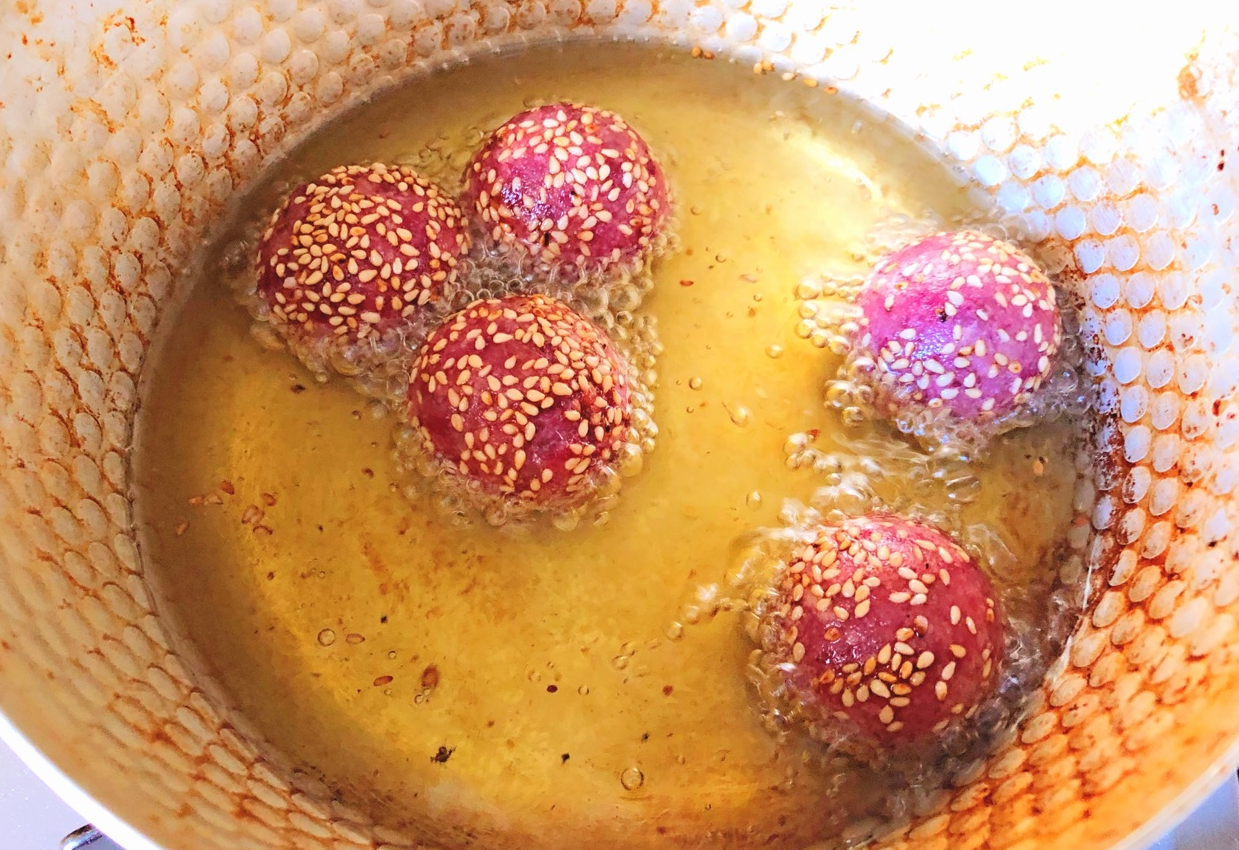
(569, 186)
(886, 630)
(359, 252)
(959, 321)
(523, 397)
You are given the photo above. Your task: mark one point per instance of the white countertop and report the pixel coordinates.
(31, 816)
(34, 818)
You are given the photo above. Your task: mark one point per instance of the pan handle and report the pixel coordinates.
(87, 838)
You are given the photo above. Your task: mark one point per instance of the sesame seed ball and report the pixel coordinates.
(958, 321)
(523, 398)
(569, 186)
(886, 630)
(358, 254)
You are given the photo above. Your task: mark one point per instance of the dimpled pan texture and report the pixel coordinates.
(126, 129)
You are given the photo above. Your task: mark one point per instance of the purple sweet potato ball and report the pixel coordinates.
(523, 397)
(569, 187)
(359, 252)
(886, 629)
(958, 321)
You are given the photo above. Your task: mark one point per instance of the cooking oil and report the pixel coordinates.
(541, 687)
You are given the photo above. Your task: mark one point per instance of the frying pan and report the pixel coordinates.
(1057, 115)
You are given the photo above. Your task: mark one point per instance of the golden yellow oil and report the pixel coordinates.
(532, 688)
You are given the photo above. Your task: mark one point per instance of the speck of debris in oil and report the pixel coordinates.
(443, 755)
(430, 676)
(550, 689)
(298, 388)
(563, 758)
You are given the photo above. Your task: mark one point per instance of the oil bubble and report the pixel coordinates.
(738, 413)
(808, 288)
(632, 778)
(326, 637)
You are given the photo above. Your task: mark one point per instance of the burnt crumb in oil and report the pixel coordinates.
(443, 755)
(430, 676)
